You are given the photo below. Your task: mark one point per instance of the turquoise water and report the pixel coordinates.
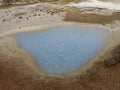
(63, 49)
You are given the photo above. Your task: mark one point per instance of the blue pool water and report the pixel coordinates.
(62, 49)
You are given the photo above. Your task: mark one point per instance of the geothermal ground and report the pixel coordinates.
(17, 69)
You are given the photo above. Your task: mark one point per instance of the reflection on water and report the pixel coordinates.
(63, 49)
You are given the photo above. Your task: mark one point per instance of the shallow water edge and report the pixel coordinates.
(63, 49)
(88, 65)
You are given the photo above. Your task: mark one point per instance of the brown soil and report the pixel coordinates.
(17, 74)
(13, 5)
(76, 15)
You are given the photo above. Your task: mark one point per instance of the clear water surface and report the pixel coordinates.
(63, 49)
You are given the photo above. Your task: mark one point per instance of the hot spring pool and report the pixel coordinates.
(63, 49)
